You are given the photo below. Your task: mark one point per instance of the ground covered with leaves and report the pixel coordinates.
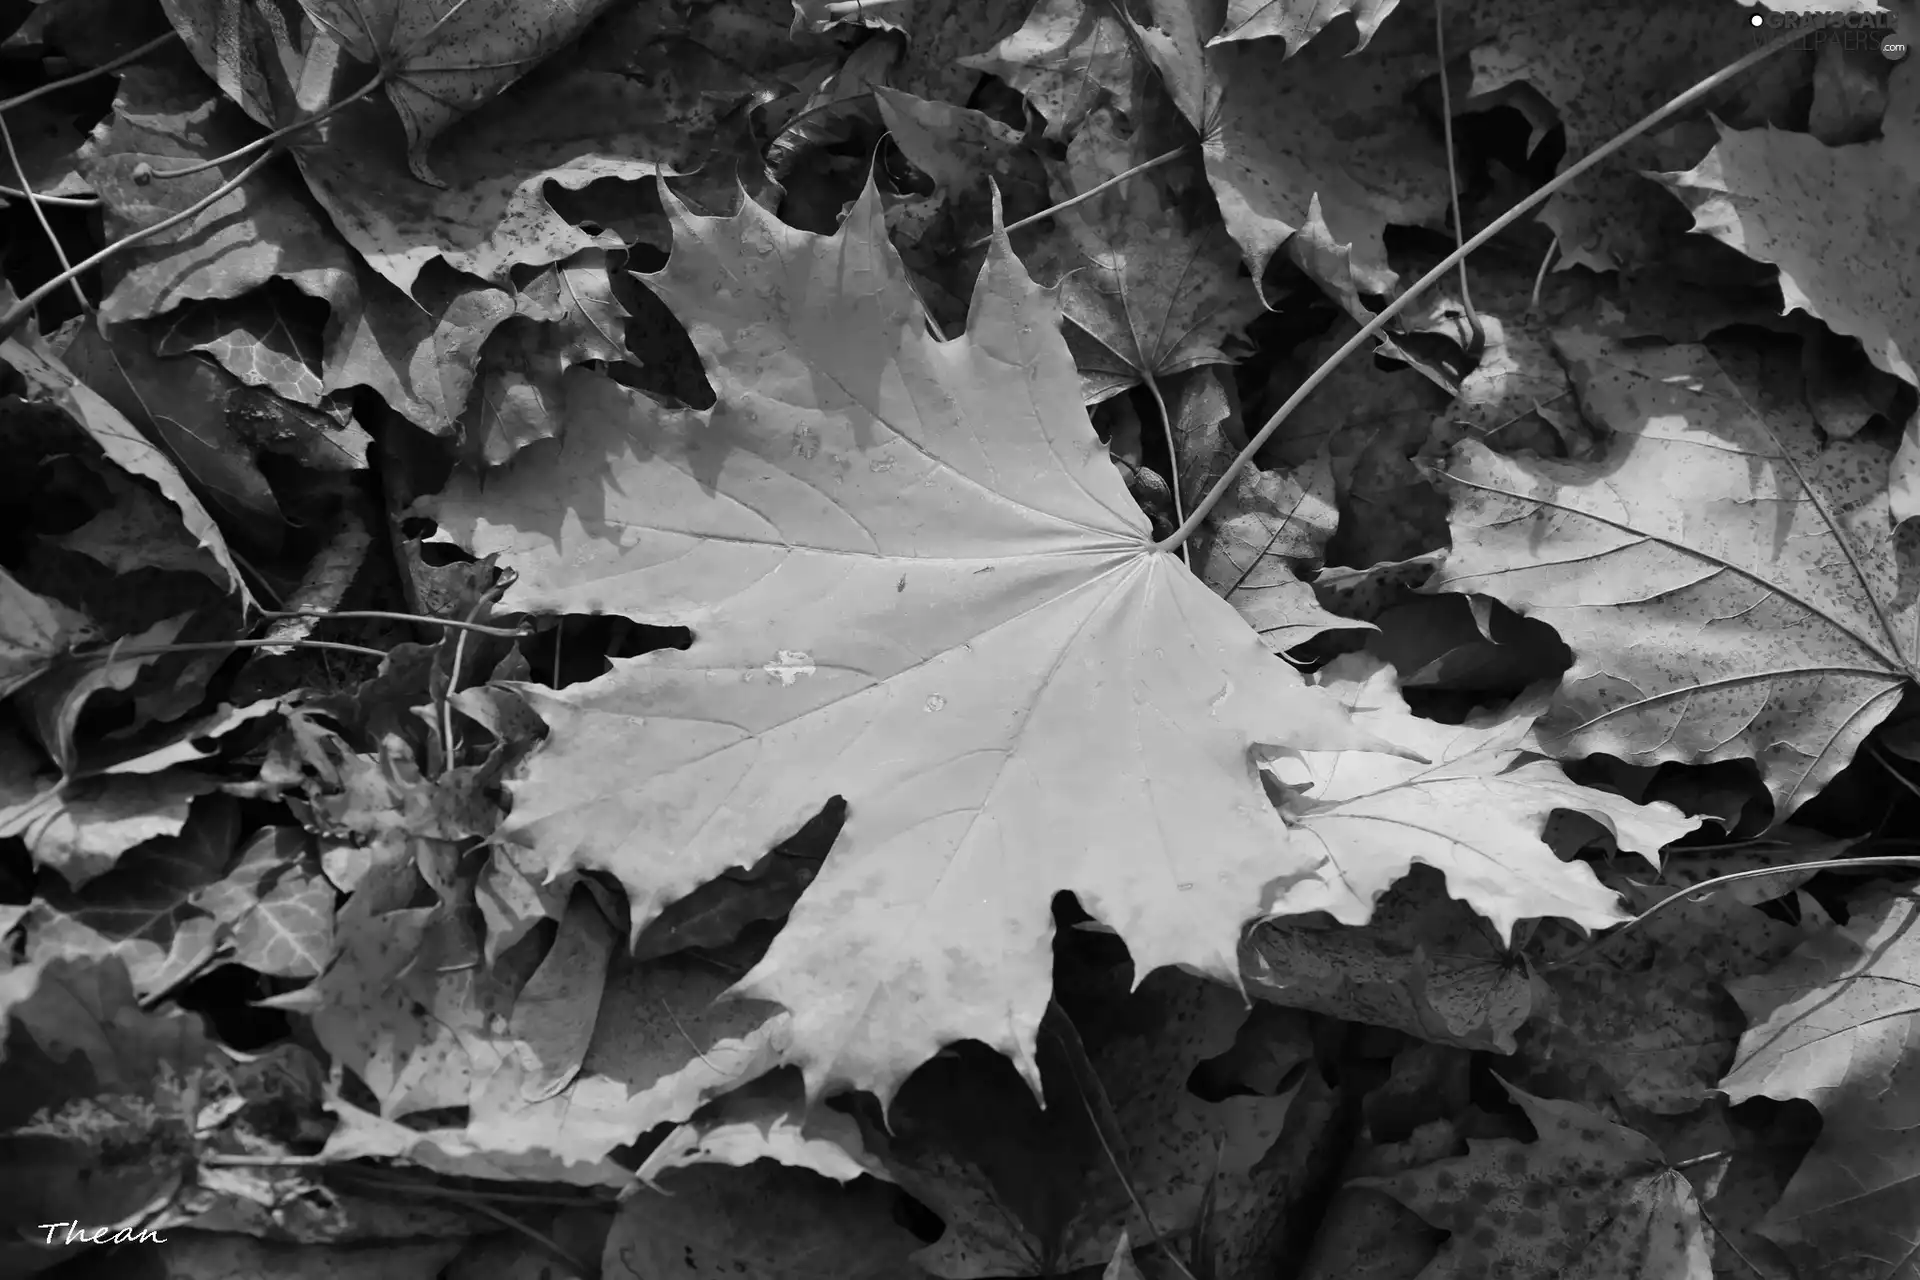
(722, 638)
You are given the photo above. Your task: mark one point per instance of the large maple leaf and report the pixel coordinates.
(914, 579)
(1728, 581)
(1838, 223)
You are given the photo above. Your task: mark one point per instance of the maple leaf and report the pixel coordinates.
(1036, 1193)
(1327, 125)
(1298, 21)
(1475, 811)
(565, 315)
(917, 581)
(1268, 524)
(1587, 1198)
(566, 128)
(763, 1220)
(443, 58)
(1068, 57)
(943, 38)
(1601, 79)
(1152, 288)
(1423, 964)
(1729, 584)
(1834, 1023)
(662, 1045)
(1834, 220)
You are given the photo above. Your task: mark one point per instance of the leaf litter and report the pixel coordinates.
(722, 725)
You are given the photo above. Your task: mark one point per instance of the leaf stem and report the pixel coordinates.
(132, 55)
(17, 314)
(1173, 457)
(854, 8)
(154, 650)
(389, 615)
(1086, 195)
(1446, 264)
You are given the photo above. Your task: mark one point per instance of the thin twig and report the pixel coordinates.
(64, 202)
(133, 55)
(448, 746)
(40, 214)
(1540, 277)
(1880, 758)
(388, 615)
(155, 650)
(1446, 264)
(1479, 340)
(1173, 456)
(17, 314)
(854, 8)
(1084, 196)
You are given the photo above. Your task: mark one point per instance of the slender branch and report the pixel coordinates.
(17, 314)
(854, 8)
(155, 650)
(133, 55)
(1478, 342)
(64, 202)
(1173, 457)
(1446, 264)
(40, 215)
(1086, 195)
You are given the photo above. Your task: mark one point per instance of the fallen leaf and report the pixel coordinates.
(1475, 810)
(1772, 195)
(1330, 126)
(1152, 288)
(34, 630)
(1039, 1195)
(1067, 58)
(905, 659)
(1830, 1024)
(1423, 965)
(1728, 582)
(759, 1223)
(1587, 1197)
(1298, 21)
(165, 119)
(50, 382)
(275, 905)
(439, 62)
(145, 911)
